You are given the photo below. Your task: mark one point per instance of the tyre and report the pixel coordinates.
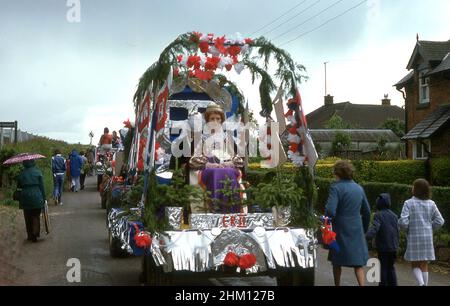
(115, 250)
(154, 275)
(103, 197)
(296, 277)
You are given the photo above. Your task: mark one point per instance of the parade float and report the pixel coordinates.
(185, 218)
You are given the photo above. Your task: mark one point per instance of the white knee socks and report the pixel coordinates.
(419, 276)
(425, 278)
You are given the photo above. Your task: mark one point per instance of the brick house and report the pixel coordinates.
(426, 89)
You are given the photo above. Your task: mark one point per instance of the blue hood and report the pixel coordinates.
(384, 201)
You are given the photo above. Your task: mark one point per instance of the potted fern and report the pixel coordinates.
(286, 198)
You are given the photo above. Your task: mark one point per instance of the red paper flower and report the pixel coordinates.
(193, 61)
(204, 46)
(234, 50)
(231, 260)
(127, 124)
(219, 44)
(212, 62)
(176, 72)
(179, 58)
(195, 37)
(293, 147)
(293, 130)
(203, 75)
(228, 67)
(248, 41)
(247, 261)
(143, 240)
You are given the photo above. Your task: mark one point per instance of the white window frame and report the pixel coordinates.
(424, 84)
(423, 153)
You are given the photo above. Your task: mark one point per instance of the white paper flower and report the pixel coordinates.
(293, 138)
(239, 67)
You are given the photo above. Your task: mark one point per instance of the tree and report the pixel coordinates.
(341, 141)
(336, 122)
(395, 125)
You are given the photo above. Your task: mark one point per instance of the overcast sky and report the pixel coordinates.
(63, 79)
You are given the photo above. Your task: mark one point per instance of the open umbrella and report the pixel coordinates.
(22, 157)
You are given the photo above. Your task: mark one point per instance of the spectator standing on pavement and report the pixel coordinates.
(385, 231)
(420, 217)
(76, 162)
(84, 169)
(58, 170)
(349, 210)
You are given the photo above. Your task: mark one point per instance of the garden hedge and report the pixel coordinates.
(400, 172)
(440, 171)
(399, 192)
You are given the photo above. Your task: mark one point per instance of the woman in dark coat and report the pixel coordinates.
(32, 197)
(349, 209)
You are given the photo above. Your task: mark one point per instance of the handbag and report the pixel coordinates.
(16, 195)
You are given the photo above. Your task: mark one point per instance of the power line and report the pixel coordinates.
(291, 18)
(278, 18)
(325, 23)
(309, 19)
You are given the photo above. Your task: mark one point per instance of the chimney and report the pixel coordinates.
(328, 100)
(386, 101)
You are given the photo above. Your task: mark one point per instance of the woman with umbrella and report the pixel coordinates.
(32, 197)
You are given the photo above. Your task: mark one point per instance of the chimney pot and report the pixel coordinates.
(386, 101)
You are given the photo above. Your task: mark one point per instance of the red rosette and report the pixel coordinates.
(228, 67)
(247, 261)
(231, 260)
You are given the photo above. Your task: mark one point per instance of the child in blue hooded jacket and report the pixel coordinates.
(385, 231)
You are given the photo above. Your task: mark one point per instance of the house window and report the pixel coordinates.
(420, 149)
(424, 89)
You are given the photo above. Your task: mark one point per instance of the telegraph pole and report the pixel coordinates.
(325, 64)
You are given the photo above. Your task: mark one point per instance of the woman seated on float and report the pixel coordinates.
(216, 165)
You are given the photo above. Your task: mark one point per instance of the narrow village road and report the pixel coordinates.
(79, 231)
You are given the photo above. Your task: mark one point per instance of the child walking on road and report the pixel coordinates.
(385, 231)
(420, 217)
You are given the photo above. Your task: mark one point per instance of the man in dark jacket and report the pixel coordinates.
(32, 197)
(58, 170)
(386, 234)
